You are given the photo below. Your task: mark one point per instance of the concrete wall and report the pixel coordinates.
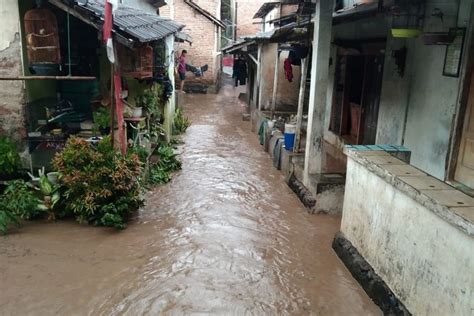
(170, 106)
(426, 261)
(13, 93)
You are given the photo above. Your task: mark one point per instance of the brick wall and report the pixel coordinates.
(203, 32)
(246, 9)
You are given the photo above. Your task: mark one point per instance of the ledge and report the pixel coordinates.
(442, 199)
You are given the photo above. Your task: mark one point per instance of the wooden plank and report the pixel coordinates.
(48, 78)
(275, 82)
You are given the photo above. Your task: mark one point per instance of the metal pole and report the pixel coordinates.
(299, 115)
(275, 82)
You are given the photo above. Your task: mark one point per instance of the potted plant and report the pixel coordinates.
(102, 120)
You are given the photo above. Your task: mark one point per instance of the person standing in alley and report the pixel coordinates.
(182, 69)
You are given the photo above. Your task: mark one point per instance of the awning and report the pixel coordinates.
(237, 46)
(183, 37)
(360, 11)
(142, 26)
(288, 32)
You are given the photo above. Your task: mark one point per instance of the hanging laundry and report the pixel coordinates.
(288, 70)
(239, 71)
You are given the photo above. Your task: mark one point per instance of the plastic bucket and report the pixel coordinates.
(290, 133)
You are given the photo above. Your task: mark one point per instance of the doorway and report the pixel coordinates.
(358, 85)
(465, 166)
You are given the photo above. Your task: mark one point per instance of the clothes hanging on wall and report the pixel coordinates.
(239, 72)
(297, 53)
(288, 70)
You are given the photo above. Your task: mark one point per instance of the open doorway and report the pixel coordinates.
(358, 85)
(465, 164)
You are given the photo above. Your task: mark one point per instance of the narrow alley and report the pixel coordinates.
(226, 236)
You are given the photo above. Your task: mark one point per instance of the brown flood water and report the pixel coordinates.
(226, 236)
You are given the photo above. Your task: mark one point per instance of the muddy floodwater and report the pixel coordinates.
(226, 236)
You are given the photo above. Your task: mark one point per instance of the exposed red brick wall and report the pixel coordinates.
(203, 32)
(246, 9)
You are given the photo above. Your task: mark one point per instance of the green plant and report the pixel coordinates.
(181, 122)
(99, 183)
(151, 100)
(140, 151)
(7, 218)
(160, 173)
(17, 201)
(49, 196)
(9, 159)
(102, 120)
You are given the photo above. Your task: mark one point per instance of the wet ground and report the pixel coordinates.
(226, 236)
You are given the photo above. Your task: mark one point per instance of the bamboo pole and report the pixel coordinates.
(73, 78)
(275, 82)
(299, 115)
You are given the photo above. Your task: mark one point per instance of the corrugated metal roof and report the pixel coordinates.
(144, 26)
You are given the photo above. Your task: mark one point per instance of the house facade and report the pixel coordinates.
(391, 91)
(202, 22)
(50, 96)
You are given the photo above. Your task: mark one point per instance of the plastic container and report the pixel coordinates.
(137, 112)
(290, 133)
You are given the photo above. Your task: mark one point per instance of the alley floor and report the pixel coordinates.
(226, 236)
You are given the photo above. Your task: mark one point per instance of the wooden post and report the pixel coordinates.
(112, 107)
(275, 81)
(299, 115)
(259, 73)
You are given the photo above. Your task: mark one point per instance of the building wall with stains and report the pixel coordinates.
(13, 92)
(424, 95)
(425, 260)
(287, 92)
(416, 110)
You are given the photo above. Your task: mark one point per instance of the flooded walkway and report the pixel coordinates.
(226, 236)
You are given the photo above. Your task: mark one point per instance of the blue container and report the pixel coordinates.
(290, 135)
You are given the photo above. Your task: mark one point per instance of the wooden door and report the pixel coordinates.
(371, 99)
(465, 165)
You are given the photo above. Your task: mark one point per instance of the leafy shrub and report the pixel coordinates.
(160, 173)
(7, 218)
(181, 122)
(151, 100)
(17, 201)
(140, 151)
(9, 159)
(101, 186)
(102, 120)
